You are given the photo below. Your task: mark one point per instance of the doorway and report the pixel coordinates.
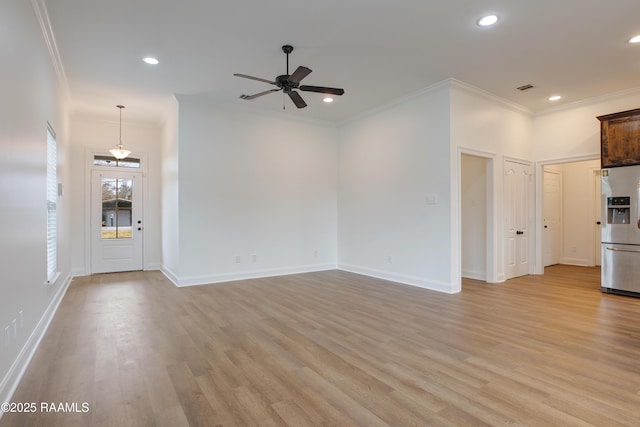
(116, 221)
(477, 210)
(578, 211)
(552, 217)
(473, 216)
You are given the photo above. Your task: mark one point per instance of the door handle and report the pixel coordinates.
(598, 222)
(623, 250)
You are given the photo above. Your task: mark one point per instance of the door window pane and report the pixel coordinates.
(116, 208)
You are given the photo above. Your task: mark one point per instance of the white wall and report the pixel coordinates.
(31, 98)
(481, 121)
(170, 196)
(573, 131)
(390, 162)
(486, 126)
(474, 217)
(97, 135)
(253, 184)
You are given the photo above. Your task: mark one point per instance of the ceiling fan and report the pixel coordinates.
(288, 82)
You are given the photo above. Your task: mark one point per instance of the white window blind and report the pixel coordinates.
(52, 207)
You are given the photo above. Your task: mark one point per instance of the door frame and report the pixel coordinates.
(531, 247)
(90, 153)
(539, 191)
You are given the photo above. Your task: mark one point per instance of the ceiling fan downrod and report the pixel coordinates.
(287, 49)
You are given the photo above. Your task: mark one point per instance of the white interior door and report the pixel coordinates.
(552, 218)
(517, 192)
(598, 208)
(116, 221)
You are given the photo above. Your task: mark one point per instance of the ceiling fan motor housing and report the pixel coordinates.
(284, 83)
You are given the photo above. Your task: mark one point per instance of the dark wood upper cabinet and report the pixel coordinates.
(620, 139)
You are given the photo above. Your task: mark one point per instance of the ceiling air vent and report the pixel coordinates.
(525, 87)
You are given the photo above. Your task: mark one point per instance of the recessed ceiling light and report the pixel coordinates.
(555, 98)
(635, 39)
(328, 99)
(487, 21)
(151, 61)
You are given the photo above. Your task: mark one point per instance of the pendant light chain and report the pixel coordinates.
(121, 107)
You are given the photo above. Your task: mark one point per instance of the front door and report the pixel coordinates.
(116, 221)
(517, 187)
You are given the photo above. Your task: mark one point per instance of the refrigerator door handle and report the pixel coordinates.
(623, 250)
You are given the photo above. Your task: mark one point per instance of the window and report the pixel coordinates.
(129, 162)
(52, 207)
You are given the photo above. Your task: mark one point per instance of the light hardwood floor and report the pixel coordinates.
(338, 349)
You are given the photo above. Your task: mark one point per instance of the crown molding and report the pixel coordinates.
(590, 101)
(489, 96)
(42, 16)
(394, 102)
(242, 106)
(451, 83)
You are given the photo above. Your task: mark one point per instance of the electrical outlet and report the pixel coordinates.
(237, 259)
(315, 254)
(254, 258)
(389, 259)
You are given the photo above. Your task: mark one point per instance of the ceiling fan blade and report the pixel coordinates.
(244, 76)
(321, 89)
(297, 99)
(299, 74)
(250, 97)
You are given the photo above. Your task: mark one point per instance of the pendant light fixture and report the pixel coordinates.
(120, 153)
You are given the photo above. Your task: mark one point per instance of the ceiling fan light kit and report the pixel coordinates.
(288, 82)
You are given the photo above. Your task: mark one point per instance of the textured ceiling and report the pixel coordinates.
(377, 50)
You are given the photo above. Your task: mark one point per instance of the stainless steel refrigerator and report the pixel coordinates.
(621, 230)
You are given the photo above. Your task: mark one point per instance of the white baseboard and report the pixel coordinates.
(169, 274)
(400, 278)
(575, 261)
(11, 380)
(475, 274)
(153, 266)
(79, 272)
(243, 275)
